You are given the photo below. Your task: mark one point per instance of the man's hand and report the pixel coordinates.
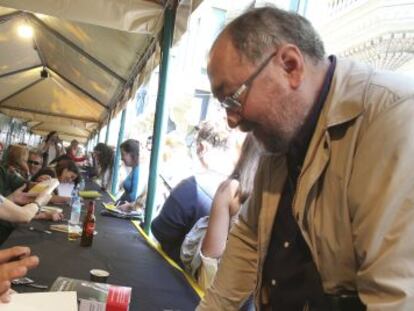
(14, 263)
(21, 198)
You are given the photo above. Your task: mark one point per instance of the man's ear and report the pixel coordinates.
(293, 64)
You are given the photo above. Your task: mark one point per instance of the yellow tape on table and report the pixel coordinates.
(158, 248)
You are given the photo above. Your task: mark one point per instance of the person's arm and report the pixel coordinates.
(133, 194)
(21, 214)
(218, 228)
(11, 269)
(381, 203)
(236, 277)
(58, 199)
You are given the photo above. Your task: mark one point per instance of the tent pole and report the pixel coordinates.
(159, 122)
(115, 169)
(108, 128)
(9, 132)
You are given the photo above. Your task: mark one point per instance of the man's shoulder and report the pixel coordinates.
(358, 89)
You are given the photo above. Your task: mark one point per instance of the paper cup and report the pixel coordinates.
(98, 275)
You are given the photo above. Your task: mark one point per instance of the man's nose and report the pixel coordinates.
(233, 118)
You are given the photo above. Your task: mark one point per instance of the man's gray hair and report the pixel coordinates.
(36, 151)
(259, 30)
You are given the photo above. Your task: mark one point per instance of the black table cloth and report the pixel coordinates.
(117, 248)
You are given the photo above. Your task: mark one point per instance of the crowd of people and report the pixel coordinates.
(21, 169)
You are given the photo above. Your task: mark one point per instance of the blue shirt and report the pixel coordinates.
(131, 185)
(186, 204)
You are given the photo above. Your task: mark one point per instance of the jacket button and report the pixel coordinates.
(286, 244)
(273, 282)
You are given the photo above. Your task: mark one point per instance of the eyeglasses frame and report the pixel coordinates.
(232, 102)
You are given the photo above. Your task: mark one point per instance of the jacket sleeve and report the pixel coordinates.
(381, 201)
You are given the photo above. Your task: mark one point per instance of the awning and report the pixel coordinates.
(83, 62)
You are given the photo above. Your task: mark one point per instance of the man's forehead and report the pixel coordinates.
(33, 155)
(224, 63)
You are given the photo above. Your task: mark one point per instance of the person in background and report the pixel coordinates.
(73, 152)
(35, 161)
(103, 158)
(51, 148)
(191, 198)
(66, 171)
(16, 161)
(205, 243)
(13, 169)
(130, 157)
(11, 269)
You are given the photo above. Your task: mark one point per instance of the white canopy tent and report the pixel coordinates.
(84, 61)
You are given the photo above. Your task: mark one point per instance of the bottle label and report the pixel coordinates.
(90, 228)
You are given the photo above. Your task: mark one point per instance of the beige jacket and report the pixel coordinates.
(354, 202)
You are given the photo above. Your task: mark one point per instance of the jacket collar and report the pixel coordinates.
(345, 97)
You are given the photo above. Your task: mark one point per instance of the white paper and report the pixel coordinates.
(65, 190)
(50, 301)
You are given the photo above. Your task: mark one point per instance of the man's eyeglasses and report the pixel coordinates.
(232, 102)
(33, 162)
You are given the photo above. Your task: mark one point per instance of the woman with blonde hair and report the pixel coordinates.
(16, 161)
(205, 243)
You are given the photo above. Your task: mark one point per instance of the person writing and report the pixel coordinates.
(130, 157)
(329, 221)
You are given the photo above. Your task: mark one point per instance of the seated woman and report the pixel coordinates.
(65, 171)
(103, 158)
(130, 157)
(16, 162)
(191, 199)
(205, 243)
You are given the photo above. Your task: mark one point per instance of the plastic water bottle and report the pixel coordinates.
(73, 225)
(82, 184)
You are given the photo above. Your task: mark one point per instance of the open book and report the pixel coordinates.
(65, 301)
(95, 296)
(47, 185)
(112, 210)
